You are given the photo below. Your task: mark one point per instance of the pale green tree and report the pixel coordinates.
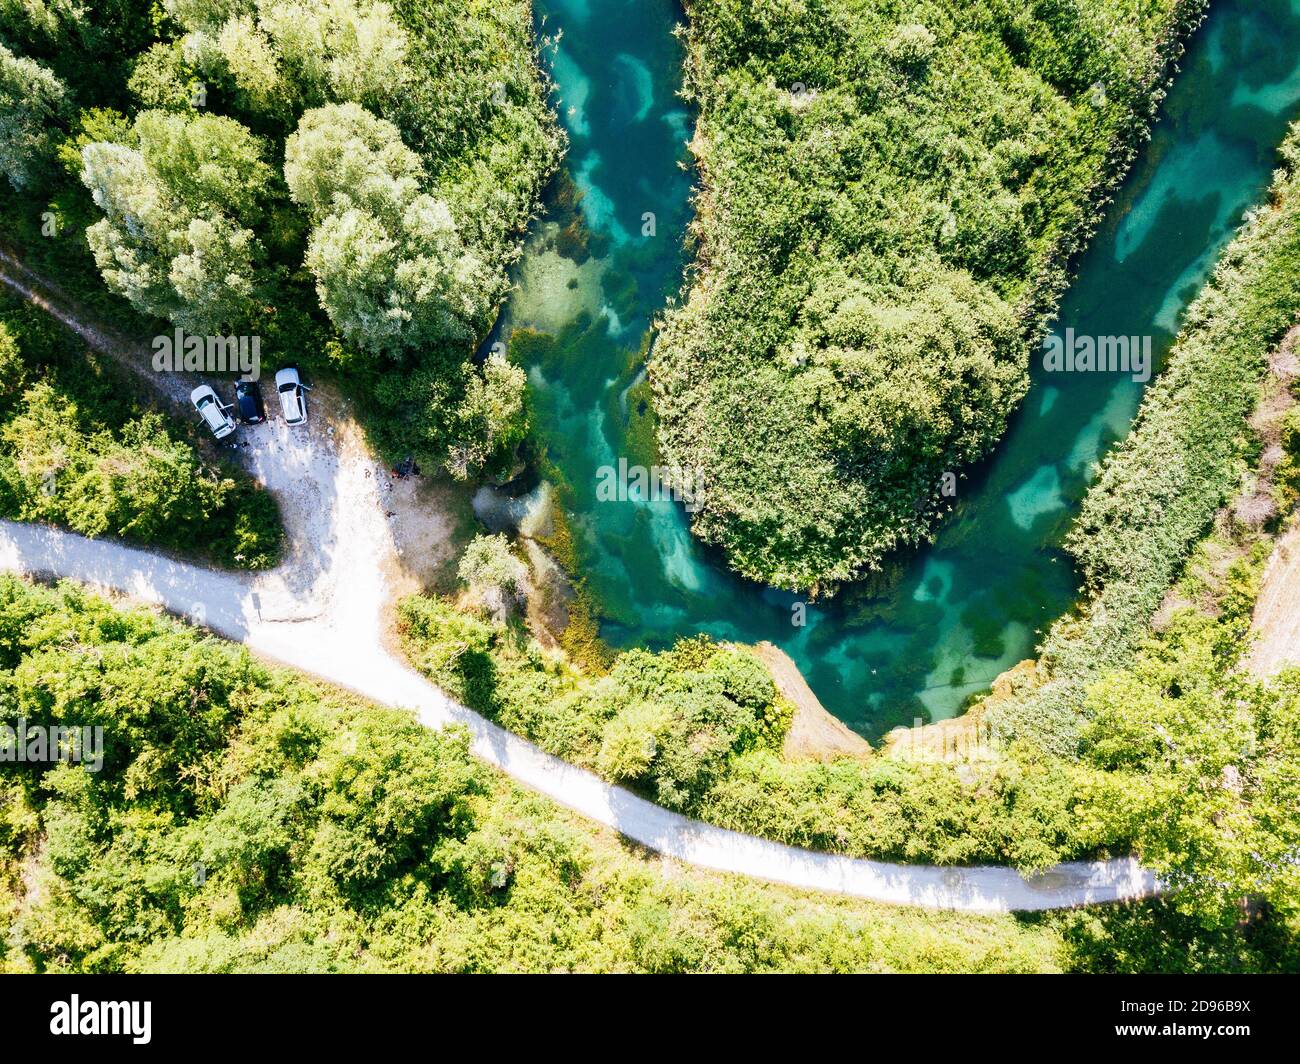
(173, 239)
(206, 161)
(391, 269)
(30, 100)
(213, 271)
(367, 48)
(250, 56)
(126, 242)
(492, 573)
(284, 54)
(45, 19)
(161, 78)
(344, 154)
(493, 417)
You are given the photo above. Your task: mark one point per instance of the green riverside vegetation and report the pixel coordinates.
(1158, 491)
(890, 196)
(1183, 760)
(246, 819)
(1124, 738)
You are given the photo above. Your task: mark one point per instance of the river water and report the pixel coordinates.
(957, 613)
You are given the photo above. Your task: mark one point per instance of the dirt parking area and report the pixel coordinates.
(355, 535)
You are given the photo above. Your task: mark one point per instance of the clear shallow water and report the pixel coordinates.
(952, 616)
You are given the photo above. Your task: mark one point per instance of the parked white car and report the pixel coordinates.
(213, 412)
(293, 396)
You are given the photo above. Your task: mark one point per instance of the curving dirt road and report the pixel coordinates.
(344, 645)
(324, 611)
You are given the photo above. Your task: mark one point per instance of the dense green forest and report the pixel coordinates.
(890, 197)
(348, 180)
(78, 451)
(246, 819)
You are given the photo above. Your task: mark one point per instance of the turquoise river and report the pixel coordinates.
(974, 603)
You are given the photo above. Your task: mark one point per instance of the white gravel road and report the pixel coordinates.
(343, 645)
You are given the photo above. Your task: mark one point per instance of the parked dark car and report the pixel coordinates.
(248, 401)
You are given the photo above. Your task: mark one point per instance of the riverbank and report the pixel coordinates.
(1159, 490)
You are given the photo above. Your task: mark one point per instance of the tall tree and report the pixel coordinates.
(175, 237)
(391, 269)
(31, 98)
